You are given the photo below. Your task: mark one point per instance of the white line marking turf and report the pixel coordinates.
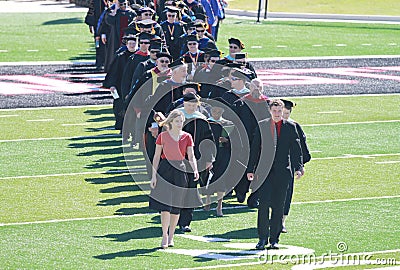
(39, 120)
(196, 210)
(350, 123)
(331, 112)
(8, 115)
(388, 162)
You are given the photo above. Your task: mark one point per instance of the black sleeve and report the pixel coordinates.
(255, 150)
(303, 143)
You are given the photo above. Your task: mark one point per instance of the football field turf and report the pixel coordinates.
(68, 201)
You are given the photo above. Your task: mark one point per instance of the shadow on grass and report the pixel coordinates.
(128, 253)
(64, 21)
(142, 233)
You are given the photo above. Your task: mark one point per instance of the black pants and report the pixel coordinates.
(272, 194)
(289, 195)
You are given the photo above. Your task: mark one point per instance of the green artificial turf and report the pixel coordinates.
(64, 37)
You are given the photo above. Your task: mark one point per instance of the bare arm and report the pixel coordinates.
(156, 162)
(192, 161)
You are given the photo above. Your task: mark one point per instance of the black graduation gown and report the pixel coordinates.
(113, 38)
(223, 156)
(129, 70)
(114, 78)
(230, 97)
(194, 62)
(250, 112)
(172, 41)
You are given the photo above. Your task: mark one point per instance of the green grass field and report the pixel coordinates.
(360, 7)
(68, 204)
(64, 37)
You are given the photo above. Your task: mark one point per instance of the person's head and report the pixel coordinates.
(190, 27)
(235, 46)
(193, 88)
(172, 13)
(179, 70)
(276, 109)
(288, 106)
(130, 42)
(144, 41)
(216, 112)
(163, 60)
(192, 42)
(200, 29)
(155, 47)
(174, 121)
(191, 102)
(146, 13)
(238, 79)
(213, 56)
(256, 88)
(122, 4)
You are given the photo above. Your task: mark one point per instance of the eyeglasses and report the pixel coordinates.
(233, 47)
(212, 60)
(192, 43)
(144, 42)
(122, 5)
(154, 51)
(164, 61)
(147, 14)
(235, 78)
(200, 31)
(171, 15)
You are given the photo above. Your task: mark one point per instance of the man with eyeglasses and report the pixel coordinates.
(142, 68)
(193, 57)
(141, 55)
(206, 73)
(205, 43)
(146, 86)
(238, 78)
(172, 29)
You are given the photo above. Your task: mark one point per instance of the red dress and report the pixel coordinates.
(172, 179)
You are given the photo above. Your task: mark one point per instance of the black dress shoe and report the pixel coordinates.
(261, 244)
(240, 197)
(273, 246)
(185, 229)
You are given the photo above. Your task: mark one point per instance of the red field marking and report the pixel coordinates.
(29, 84)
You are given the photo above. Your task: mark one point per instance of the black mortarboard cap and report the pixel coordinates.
(148, 23)
(145, 35)
(234, 65)
(193, 85)
(214, 53)
(129, 37)
(172, 9)
(178, 62)
(201, 17)
(121, 1)
(289, 104)
(242, 74)
(155, 45)
(144, 9)
(164, 54)
(191, 97)
(236, 42)
(192, 38)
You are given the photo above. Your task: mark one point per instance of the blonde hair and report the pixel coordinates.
(171, 116)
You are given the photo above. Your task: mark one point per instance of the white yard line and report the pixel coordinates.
(71, 174)
(350, 123)
(358, 156)
(64, 138)
(197, 210)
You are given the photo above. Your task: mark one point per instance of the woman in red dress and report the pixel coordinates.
(169, 179)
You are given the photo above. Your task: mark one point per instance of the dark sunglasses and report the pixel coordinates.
(147, 14)
(200, 31)
(171, 15)
(155, 51)
(144, 42)
(212, 60)
(164, 61)
(235, 78)
(192, 43)
(234, 47)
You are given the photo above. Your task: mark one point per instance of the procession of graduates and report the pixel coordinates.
(196, 114)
